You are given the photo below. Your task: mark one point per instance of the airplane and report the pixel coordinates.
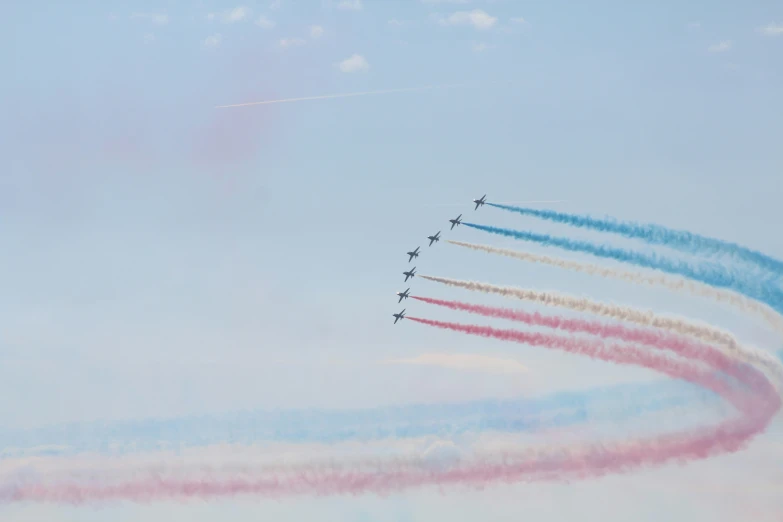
(399, 316)
(479, 202)
(410, 273)
(455, 221)
(413, 254)
(403, 295)
(434, 238)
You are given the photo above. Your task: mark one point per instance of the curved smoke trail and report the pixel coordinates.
(709, 273)
(702, 332)
(732, 298)
(655, 234)
(524, 415)
(395, 475)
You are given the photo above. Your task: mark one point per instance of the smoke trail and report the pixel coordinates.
(655, 234)
(739, 301)
(528, 415)
(709, 273)
(396, 475)
(704, 333)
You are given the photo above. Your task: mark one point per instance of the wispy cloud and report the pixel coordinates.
(478, 18)
(518, 20)
(465, 362)
(771, 29)
(265, 23)
(354, 63)
(290, 42)
(445, 1)
(275, 5)
(720, 47)
(694, 25)
(155, 18)
(350, 5)
(480, 47)
(149, 38)
(230, 16)
(316, 31)
(210, 42)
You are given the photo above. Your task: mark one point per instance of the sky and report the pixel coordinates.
(164, 257)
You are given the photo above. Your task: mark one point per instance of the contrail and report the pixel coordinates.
(656, 234)
(702, 332)
(737, 300)
(378, 476)
(344, 95)
(709, 273)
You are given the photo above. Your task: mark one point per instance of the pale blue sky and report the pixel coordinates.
(163, 257)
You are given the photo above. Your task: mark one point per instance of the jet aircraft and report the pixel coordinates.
(455, 221)
(479, 202)
(403, 295)
(399, 316)
(413, 254)
(434, 238)
(410, 273)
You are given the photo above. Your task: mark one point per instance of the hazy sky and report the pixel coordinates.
(163, 257)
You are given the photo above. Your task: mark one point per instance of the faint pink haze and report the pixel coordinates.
(548, 464)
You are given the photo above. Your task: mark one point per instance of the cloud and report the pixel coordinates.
(290, 42)
(275, 5)
(350, 5)
(720, 47)
(772, 30)
(465, 362)
(398, 23)
(264, 23)
(149, 38)
(155, 18)
(694, 25)
(519, 20)
(316, 31)
(355, 63)
(445, 1)
(441, 455)
(213, 41)
(478, 18)
(230, 16)
(481, 47)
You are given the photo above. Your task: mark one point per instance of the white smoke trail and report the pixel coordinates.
(703, 332)
(739, 301)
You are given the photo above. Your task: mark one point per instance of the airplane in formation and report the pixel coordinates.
(399, 316)
(479, 202)
(409, 273)
(413, 254)
(403, 295)
(434, 238)
(455, 221)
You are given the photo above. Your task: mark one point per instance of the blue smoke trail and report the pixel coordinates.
(656, 234)
(709, 273)
(445, 420)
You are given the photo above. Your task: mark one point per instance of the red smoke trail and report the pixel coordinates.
(689, 349)
(567, 463)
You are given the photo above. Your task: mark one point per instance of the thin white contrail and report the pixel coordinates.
(344, 95)
(677, 325)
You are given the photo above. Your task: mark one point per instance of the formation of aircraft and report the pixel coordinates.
(415, 253)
